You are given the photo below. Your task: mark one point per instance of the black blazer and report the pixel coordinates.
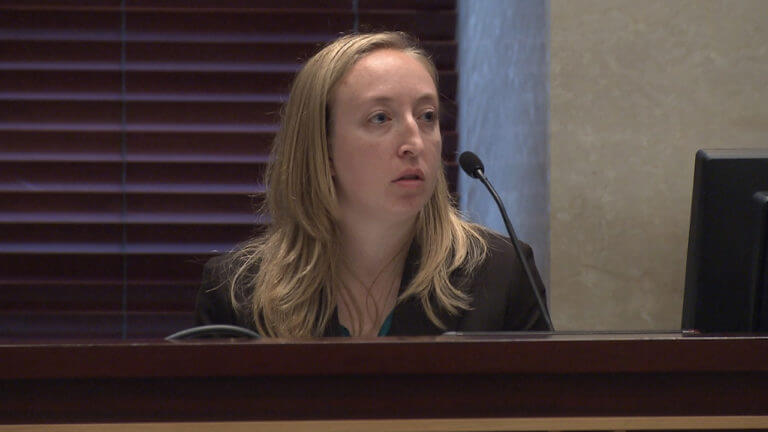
(502, 299)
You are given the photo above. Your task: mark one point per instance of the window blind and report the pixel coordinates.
(133, 139)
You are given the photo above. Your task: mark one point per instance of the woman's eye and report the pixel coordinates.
(378, 118)
(429, 116)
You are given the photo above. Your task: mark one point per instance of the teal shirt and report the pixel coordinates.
(382, 331)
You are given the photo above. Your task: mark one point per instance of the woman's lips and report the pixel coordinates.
(410, 175)
(409, 182)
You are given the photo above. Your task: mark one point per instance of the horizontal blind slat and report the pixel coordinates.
(72, 269)
(143, 53)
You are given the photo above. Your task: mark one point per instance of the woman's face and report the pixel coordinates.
(385, 138)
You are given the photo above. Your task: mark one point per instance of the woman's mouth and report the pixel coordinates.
(410, 179)
(410, 176)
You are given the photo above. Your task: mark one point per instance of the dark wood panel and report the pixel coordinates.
(158, 324)
(438, 25)
(443, 53)
(50, 207)
(449, 146)
(42, 81)
(57, 266)
(21, 50)
(72, 296)
(201, 175)
(27, 17)
(177, 297)
(57, 296)
(38, 177)
(205, 112)
(57, 4)
(181, 112)
(233, 82)
(199, 147)
(407, 4)
(103, 204)
(182, 237)
(452, 174)
(98, 240)
(241, 4)
(318, 23)
(140, 52)
(55, 176)
(35, 145)
(67, 238)
(47, 111)
(196, 204)
(443, 377)
(44, 270)
(167, 269)
(104, 324)
(381, 397)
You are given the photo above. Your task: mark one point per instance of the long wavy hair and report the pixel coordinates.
(287, 280)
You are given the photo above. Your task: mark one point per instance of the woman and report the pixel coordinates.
(364, 240)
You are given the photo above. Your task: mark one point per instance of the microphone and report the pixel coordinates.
(473, 166)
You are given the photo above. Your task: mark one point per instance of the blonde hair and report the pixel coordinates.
(287, 280)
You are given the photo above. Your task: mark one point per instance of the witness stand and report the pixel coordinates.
(592, 381)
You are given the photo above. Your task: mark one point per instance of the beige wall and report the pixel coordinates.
(636, 87)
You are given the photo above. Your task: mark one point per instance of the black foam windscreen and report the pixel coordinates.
(470, 163)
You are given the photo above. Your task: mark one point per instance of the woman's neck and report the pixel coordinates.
(372, 261)
(368, 247)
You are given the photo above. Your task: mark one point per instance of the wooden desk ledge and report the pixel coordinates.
(431, 425)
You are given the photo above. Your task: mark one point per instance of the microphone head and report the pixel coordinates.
(471, 164)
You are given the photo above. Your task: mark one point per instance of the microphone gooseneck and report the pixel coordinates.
(473, 166)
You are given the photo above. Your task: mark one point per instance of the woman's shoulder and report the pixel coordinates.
(215, 270)
(220, 269)
(503, 298)
(214, 298)
(500, 248)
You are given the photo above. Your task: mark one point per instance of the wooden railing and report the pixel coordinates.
(504, 382)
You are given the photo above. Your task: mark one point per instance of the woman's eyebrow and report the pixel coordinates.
(426, 97)
(380, 99)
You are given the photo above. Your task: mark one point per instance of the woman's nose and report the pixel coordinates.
(411, 143)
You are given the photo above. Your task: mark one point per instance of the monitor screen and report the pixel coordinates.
(759, 285)
(724, 237)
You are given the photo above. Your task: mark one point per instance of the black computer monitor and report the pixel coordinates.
(759, 285)
(721, 282)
